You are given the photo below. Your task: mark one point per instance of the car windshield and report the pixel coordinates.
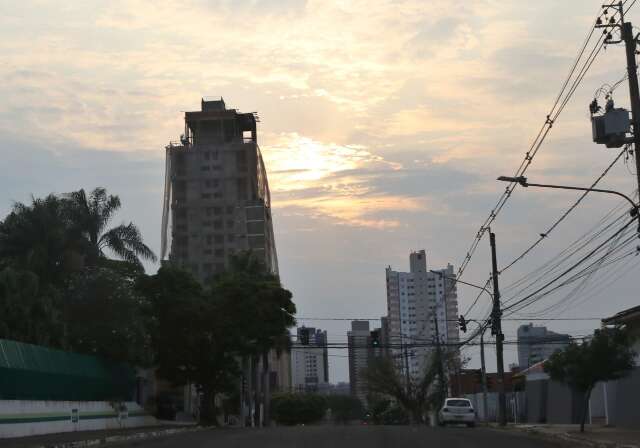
(459, 403)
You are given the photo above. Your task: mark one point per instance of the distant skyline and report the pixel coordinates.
(382, 132)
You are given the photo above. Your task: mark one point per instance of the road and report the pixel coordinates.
(346, 437)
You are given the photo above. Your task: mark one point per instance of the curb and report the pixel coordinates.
(580, 441)
(121, 438)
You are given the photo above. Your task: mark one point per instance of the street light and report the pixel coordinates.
(523, 182)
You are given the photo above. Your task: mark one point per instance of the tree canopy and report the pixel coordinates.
(606, 356)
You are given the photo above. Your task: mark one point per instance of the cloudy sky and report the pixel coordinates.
(383, 125)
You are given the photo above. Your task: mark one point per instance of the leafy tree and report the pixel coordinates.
(260, 309)
(192, 338)
(37, 238)
(607, 356)
(417, 397)
(28, 311)
(104, 317)
(297, 409)
(90, 216)
(345, 408)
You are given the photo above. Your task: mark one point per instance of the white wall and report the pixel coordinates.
(19, 418)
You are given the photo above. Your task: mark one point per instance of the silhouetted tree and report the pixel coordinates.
(607, 356)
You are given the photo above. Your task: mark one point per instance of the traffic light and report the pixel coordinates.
(375, 338)
(462, 323)
(304, 336)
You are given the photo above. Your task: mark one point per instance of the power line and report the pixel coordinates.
(564, 215)
(539, 139)
(582, 260)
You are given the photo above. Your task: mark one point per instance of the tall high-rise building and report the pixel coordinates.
(536, 344)
(358, 344)
(364, 345)
(420, 303)
(310, 363)
(216, 199)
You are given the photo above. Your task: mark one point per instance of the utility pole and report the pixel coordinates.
(634, 93)
(406, 368)
(442, 383)
(485, 405)
(496, 329)
(630, 42)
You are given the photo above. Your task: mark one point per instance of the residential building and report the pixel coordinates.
(358, 344)
(217, 199)
(362, 350)
(217, 203)
(421, 304)
(536, 344)
(310, 363)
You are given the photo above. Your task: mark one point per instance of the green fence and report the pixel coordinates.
(32, 372)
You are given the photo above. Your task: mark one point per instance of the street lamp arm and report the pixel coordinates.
(525, 183)
(634, 206)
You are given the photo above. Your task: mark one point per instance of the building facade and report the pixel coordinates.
(217, 199)
(310, 363)
(217, 202)
(358, 346)
(421, 304)
(536, 344)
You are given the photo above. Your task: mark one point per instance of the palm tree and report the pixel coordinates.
(90, 216)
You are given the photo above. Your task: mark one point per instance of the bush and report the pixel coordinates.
(395, 415)
(296, 409)
(345, 408)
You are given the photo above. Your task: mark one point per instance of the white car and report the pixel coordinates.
(458, 410)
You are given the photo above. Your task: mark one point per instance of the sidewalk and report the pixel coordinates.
(593, 436)
(81, 439)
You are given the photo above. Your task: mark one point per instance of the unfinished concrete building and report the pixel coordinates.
(216, 200)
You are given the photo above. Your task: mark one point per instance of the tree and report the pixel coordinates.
(257, 305)
(103, 315)
(29, 312)
(37, 238)
(90, 216)
(193, 340)
(606, 357)
(417, 397)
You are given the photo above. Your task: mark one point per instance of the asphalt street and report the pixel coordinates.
(347, 437)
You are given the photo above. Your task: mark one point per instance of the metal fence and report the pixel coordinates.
(32, 372)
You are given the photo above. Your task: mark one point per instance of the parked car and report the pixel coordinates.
(457, 410)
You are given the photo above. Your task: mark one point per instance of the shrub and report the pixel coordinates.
(296, 409)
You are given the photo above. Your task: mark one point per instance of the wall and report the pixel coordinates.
(624, 401)
(20, 418)
(536, 392)
(516, 405)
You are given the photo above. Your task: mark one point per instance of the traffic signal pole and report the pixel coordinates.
(496, 329)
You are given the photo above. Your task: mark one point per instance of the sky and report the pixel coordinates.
(383, 125)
